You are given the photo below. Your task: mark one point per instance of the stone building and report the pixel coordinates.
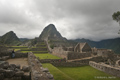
(82, 47)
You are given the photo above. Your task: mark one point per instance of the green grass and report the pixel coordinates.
(17, 50)
(19, 46)
(46, 56)
(85, 73)
(58, 75)
(25, 51)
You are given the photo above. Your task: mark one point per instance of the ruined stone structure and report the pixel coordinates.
(82, 47)
(81, 50)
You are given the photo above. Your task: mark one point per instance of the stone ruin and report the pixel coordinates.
(34, 70)
(82, 54)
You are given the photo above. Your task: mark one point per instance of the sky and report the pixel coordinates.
(89, 19)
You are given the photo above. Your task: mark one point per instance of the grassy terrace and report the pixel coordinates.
(47, 56)
(22, 49)
(78, 73)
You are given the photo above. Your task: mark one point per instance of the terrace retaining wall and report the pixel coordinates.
(106, 68)
(69, 64)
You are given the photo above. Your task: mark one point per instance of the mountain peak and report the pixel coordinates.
(50, 32)
(9, 38)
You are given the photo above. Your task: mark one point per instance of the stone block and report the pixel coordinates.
(1, 76)
(50, 76)
(19, 73)
(25, 68)
(45, 70)
(2, 70)
(12, 66)
(16, 78)
(26, 76)
(18, 66)
(5, 66)
(9, 73)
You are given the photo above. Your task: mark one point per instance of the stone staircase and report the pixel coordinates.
(40, 48)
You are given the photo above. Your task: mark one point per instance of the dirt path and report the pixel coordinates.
(21, 61)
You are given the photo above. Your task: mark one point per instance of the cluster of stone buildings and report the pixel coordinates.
(81, 50)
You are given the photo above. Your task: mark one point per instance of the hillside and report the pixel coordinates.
(113, 44)
(53, 36)
(10, 38)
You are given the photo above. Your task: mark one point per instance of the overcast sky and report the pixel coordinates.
(90, 19)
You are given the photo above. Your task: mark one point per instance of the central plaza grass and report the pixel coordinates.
(46, 56)
(78, 73)
(86, 73)
(58, 75)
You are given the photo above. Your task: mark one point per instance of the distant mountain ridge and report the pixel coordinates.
(113, 44)
(9, 38)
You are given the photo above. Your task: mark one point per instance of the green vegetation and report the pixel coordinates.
(40, 52)
(77, 73)
(116, 16)
(58, 75)
(17, 50)
(86, 73)
(25, 51)
(18, 46)
(10, 38)
(46, 56)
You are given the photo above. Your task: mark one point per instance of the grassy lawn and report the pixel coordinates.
(47, 56)
(58, 75)
(86, 73)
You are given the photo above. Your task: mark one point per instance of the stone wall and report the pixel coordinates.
(37, 71)
(58, 51)
(77, 55)
(51, 60)
(96, 59)
(106, 68)
(21, 55)
(13, 72)
(69, 64)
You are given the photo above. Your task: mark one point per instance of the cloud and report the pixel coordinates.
(91, 19)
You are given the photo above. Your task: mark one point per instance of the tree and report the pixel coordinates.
(116, 17)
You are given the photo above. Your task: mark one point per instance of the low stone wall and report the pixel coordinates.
(96, 59)
(68, 64)
(51, 60)
(37, 71)
(77, 55)
(20, 55)
(106, 68)
(13, 72)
